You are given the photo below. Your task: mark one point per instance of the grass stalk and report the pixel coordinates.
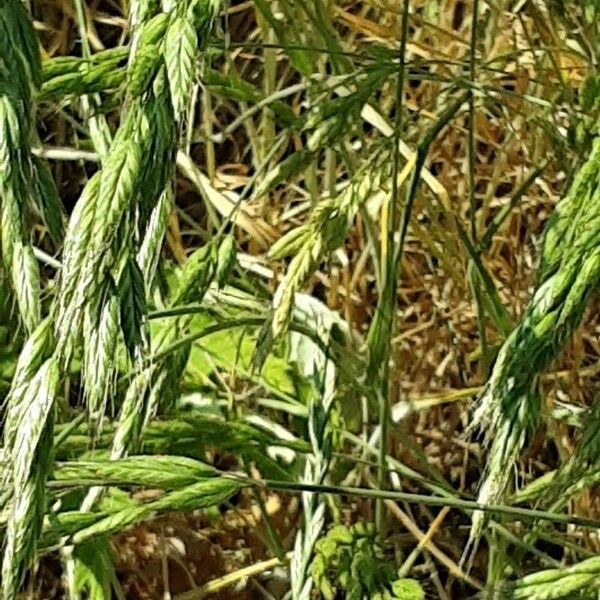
(382, 327)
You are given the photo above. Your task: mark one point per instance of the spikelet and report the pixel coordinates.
(327, 228)
(20, 77)
(135, 172)
(30, 445)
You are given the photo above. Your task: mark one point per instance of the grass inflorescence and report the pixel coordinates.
(256, 260)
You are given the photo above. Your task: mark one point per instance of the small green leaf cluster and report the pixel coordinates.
(591, 9)
(349, 559)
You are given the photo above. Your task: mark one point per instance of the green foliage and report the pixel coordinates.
(24, 183)
(349, 560)
(101, 247)
(94, 571)
(584, 129)
(591, 9)
(137, 374)
(407, 589)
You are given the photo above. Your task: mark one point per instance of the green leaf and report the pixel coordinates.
(233, 351)
(94, 569)
(407, 589)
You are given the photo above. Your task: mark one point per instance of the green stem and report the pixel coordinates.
(471, 131)
(388, 299)
(518, 513)
(471, 153)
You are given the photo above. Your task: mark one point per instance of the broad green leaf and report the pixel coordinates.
(94, 569)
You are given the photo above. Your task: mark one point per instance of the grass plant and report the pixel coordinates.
(312, 279)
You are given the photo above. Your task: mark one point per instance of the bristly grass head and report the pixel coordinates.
(508, 409)
(102, 293)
